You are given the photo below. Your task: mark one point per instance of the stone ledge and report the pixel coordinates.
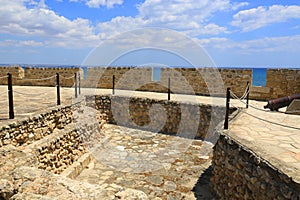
(76, 168)
(239, 173)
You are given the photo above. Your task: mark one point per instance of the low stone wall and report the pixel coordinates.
(23, 132)
(57, 138)
(238, 173)
(59, 152)
(184, 119)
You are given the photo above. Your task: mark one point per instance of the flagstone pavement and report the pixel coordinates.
(275, 136)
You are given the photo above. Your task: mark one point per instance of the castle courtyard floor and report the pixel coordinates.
(274, 136)
(162, 166)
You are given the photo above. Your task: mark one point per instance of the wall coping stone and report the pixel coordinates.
(263, 156)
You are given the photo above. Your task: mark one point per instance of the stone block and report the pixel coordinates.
(294, 107)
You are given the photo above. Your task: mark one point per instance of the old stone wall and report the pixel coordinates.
(198, 81)
(16, 71)
(183, 80)
(238, 173)
(59, 152)
(127, 78)
(30, 75)
(279, 83)
(36, 127)
(184, 119)
(56, 138)
(283, 82)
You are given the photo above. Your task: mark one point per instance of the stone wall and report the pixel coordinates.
(197, 81)
(23, 132)
(183, 80)
(127, 78)
(279, 83)
(56, 138)
(283, 82)
(238, 173)
(29, 75)
(184, 119)
(59, 152)
(16, 72)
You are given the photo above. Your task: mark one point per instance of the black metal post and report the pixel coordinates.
(248, 89)
(79, 88)
(10, 96)
(227, 108)
(57, 89)
(113, 86)
(169, 89)
(75, 80)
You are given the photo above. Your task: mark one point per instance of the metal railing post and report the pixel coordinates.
(10, 96)
(113, 85)
(169, 89)
(227, 109)
(75, 80)
(248, 89)
(57, 89)
(79, 88)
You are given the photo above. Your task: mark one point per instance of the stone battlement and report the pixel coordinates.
(30, 75)
(279, 82)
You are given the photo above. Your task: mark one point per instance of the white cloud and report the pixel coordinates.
(191, 17)
(261, 16)
(272, 44)
(17, 19)
(266, 44)
(22, 43)
(99, 3)
(235, 6)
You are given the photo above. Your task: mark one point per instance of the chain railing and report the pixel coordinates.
(229, 93)
(11, 92)
(241, 99)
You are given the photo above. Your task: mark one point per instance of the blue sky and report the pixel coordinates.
(232, 32)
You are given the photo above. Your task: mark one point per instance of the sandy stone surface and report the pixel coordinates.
(161, 166)
(277, 140)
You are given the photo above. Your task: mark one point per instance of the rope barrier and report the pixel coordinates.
(275, 123)
(259, 118)
(39, 79)
(245, 93)
(67, 77)
(235, 97)
(26, 94)
(3, 92)
(1, 77)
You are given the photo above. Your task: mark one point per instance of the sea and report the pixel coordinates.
(258, 76)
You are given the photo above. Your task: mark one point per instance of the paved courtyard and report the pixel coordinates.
(160, 167)
(28, 100)
(271, 137)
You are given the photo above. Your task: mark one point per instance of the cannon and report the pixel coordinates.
(275, 104)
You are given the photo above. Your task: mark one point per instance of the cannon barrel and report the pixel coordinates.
(275, 104)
